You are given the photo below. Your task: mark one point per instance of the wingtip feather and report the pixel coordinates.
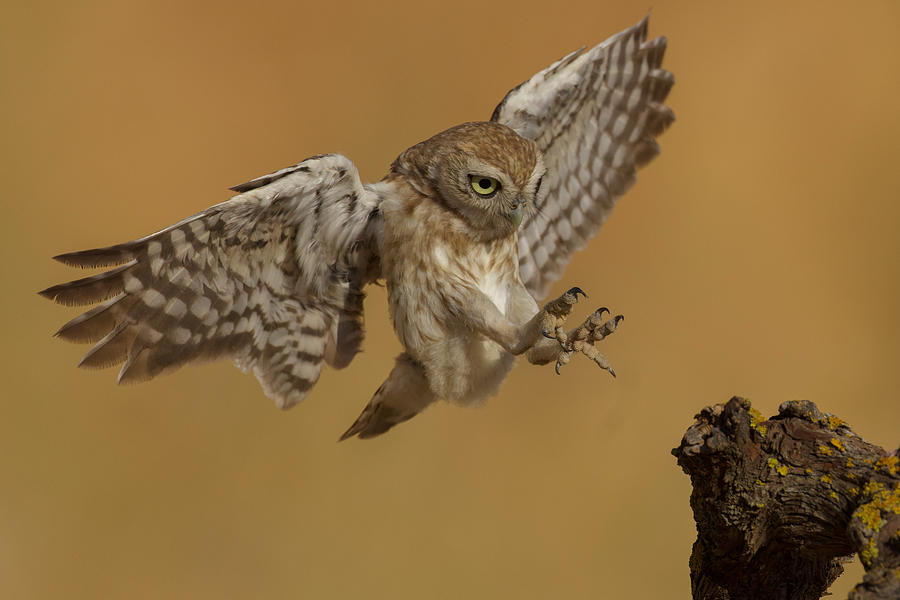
(66, 259)
(110, 350)
(94, 324)
(47, 293)
(96, 257)
(643, 25)
(91, 289)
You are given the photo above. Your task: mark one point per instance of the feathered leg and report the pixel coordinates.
(403, 395)
(581, 339)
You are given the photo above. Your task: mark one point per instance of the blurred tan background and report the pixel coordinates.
(758, 255)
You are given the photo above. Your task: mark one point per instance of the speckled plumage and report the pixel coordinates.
(273, 278)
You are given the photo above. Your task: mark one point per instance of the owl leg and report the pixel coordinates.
(403, 395)
(581, 339)
(483, 316)
(554, 313)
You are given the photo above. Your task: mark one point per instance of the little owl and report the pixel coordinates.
(467, 230)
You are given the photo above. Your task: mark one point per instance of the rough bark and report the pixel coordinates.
(780, 504)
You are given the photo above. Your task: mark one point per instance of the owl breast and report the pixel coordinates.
(465, 365)
(496, 286)
(428, 287)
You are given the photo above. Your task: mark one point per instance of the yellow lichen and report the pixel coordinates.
(756, 418)
(808, 471)
(837, 444)
(854, 491)
(834, 495)
(888, 463)
(881, 500)
(869, 553)
(758, 482)
(825, 479)
(872, 487)
(870, 517)
(779, 468)
(823, 449)
(833, 422)
(850, 463)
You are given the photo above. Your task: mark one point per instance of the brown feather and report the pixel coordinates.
(98, 257)
(97, 322)
(88, 290)
(111, 350)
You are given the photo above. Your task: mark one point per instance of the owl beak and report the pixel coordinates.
(515, 216)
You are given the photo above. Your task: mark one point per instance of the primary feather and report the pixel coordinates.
(594, 114)
(271, 278)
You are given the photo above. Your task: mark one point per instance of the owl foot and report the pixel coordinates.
(583, 339)
(555, 313)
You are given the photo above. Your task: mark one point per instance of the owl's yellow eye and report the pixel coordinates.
(484, 186)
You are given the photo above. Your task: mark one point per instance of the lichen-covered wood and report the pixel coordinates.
(781, 504)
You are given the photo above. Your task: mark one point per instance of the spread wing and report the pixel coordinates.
(271, 278)
(594, 114)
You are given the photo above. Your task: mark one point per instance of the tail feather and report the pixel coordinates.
(375, 419)
(403, 395)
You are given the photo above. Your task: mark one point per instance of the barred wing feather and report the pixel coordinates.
(271, 278)
(595, 115)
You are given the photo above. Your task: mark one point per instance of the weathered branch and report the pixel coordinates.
(779, 503)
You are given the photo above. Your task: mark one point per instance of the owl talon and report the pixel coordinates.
(554, 316)
(582, 339)
(562, 306)
(562, 337)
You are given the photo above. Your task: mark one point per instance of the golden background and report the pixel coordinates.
(758, 255)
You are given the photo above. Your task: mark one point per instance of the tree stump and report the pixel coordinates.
(781, 504)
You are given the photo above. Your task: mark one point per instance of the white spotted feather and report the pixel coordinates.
(265, 279)
(595, 115)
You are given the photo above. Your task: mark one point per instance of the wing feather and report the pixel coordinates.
(271, 278)
(595, 115)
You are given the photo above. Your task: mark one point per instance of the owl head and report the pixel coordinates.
(484, 172)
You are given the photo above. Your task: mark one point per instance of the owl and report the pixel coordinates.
(468, 230)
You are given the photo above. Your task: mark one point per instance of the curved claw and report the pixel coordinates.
(575, 291)
(599, 312)
(547, 335)
(611, 372)
(557, 368)
(619, 318)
